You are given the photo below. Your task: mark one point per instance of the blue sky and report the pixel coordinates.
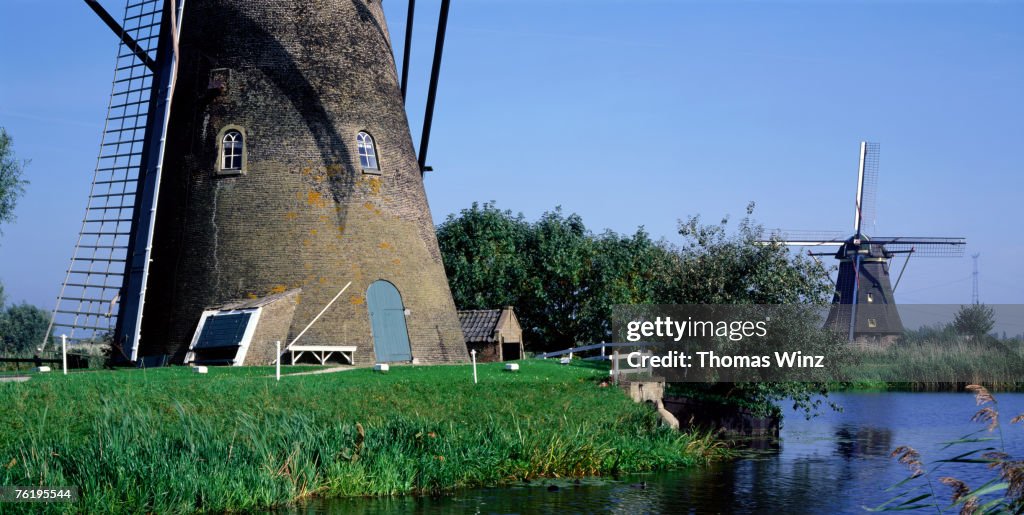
(630, 113)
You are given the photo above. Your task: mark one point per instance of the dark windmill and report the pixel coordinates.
(256, 165)
(864, 306)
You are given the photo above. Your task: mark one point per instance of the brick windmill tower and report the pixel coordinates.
(278, 186)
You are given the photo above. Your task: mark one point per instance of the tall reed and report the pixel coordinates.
(164, 442)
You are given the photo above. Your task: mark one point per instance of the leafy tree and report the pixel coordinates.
(484, 253)
(975, 320)
(11, 187)
(719, 268)
(626, 270)
(562, 280)
(723, 268)
(11, 184)
(560, 253)
(22, 328)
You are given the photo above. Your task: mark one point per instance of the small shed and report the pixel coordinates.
(494, 334)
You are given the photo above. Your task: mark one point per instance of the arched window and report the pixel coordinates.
(231, 150)
(367, 153)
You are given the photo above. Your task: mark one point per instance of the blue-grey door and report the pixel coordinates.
(387, 320)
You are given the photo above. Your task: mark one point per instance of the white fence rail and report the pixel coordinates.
(616, 357)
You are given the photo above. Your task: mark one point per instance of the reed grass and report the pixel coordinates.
(1003, 493)
(169, 441)
(942, 364)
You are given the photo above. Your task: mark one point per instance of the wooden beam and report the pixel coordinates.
(435, 71)
(120, 32)
(408, 46)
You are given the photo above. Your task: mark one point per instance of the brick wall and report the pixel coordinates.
(275, 320)
(302, 79)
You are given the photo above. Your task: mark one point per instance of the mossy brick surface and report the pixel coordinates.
(301, 79)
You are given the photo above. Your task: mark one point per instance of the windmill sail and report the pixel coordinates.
(123, 186)
(868, 187)
(922, 246)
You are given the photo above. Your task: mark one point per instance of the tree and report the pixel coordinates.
(560, 252)
(562, 280)
(22, 328)
(12, 185)
(719, 268)
(484, 254)
(975, 320)
(627, 270)
(723, 268)
(494, 258)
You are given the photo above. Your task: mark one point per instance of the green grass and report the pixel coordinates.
(938, 365)
(168, 440)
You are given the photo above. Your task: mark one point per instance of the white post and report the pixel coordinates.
(615, 366)
(278, 360)
(473, 353)
(64, 352)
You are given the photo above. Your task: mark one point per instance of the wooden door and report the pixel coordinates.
(387, 321)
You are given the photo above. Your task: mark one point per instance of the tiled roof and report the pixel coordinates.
(478, 324)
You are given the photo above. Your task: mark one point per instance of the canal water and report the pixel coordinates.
(837, 462)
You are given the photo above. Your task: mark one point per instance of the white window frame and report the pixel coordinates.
(366, 147)
(232, 147)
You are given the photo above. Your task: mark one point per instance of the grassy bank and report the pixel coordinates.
(937, 365)
(167, 440)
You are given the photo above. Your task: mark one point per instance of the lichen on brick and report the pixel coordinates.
(303, 85)
(314, 198)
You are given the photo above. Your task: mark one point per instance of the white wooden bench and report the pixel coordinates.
(323, 352)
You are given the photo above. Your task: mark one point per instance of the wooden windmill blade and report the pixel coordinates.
(801, 238)
(129, 321)
(435, 71)
(867, 187)
(923, 246)
(104, 285)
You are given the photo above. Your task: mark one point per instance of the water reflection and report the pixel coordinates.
(604, 497)
(856, 442)
(836, 463)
